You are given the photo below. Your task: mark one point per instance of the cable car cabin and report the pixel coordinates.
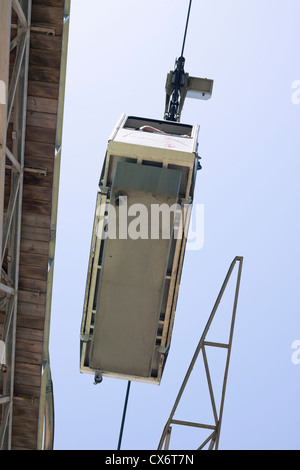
(139, 235)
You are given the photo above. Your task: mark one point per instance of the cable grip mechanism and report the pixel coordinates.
(180, 85)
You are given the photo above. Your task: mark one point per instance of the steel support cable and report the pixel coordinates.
(124, 415)
(186, 27)
(178, 78)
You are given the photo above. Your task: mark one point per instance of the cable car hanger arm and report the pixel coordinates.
(180, 85)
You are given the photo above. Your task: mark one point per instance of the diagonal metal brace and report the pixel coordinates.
(216, 427)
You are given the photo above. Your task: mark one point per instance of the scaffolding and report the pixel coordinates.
(33, 39)
(12, 161)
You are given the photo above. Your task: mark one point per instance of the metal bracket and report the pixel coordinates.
(2, 356)
(98, 377)
(85, 338)
(179, 85)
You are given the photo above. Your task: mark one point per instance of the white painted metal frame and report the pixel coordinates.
(11, 165)
(213, 439)
(139, 153)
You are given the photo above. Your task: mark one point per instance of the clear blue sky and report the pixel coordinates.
(119, 56)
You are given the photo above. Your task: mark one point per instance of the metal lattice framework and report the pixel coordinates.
(212, 441)
(13, 101)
